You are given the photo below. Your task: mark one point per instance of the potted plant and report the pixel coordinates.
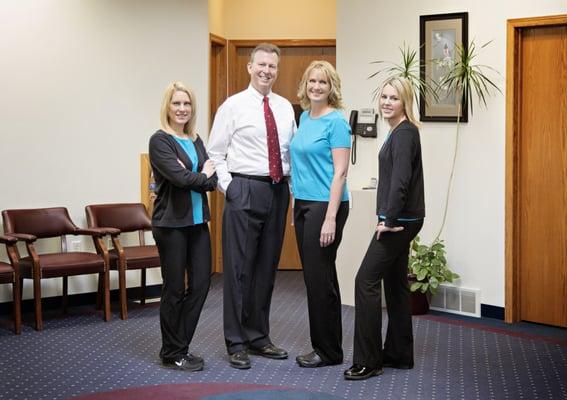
(427, 269)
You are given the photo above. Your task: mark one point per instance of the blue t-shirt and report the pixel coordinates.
(311, 158)
(196, 199)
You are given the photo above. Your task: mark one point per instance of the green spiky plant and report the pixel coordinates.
(409, 68)
(469, 81)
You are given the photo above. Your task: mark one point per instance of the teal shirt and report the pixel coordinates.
(311, 158)
(196, 200)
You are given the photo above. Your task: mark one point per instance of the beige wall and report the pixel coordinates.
(216, 17)
(81, 88)
(273, 19)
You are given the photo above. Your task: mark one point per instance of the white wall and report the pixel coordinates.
(369, 30)
(81, 85)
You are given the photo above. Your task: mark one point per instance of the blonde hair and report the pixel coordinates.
(189, 127)
(335, 98)
(405, 92)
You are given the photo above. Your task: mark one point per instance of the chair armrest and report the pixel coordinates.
(24, 236)
(110, 231)
(8, 239)
(96, 232)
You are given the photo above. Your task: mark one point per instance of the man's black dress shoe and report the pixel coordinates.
(359, 372)
(269, 351)
(188, 362)
(239, 360)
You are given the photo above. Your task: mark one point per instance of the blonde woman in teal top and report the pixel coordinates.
(319, 163)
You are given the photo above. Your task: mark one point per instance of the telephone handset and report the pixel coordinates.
(362, 123)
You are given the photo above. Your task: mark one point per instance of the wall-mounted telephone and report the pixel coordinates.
(362, 123)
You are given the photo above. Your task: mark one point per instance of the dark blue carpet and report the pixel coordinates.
(454, 358)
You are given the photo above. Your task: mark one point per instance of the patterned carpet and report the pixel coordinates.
(456, 358)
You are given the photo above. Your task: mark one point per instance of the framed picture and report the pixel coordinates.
(439, 37)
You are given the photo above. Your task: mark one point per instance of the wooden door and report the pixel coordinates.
(542, 174)
(295, 57)
(218, 90)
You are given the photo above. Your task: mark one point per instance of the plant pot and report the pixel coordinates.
(419, 301)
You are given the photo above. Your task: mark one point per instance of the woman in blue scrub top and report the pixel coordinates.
(319, 163)
(183, 174)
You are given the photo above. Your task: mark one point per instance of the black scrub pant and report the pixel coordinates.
(181, 250)
(386, 259)
(252, 236)
(320, 275)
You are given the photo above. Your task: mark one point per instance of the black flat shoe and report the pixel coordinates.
(269, 351)
(239, 360)
(359, 372)
(312, 360)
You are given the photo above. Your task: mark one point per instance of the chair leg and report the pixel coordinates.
(65, 295)
(123, 292)
(37, 304)
(99, 291)
(143, 287)
(106, 285)
(17, 307)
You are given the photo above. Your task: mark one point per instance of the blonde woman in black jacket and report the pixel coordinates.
(400, 212)
(183, 174)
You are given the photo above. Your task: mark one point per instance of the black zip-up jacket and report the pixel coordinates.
(400, 177)
(173, 207)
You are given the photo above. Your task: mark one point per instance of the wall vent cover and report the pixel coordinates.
(456, 300)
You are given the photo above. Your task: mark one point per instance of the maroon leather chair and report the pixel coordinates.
(10, 273)
(31, 224)
(126, 217)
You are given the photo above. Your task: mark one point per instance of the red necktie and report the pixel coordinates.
(274, 155)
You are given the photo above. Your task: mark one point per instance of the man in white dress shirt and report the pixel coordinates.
(252, 162)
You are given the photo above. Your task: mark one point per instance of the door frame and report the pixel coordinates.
(218, 92)
(513, 111)
(217, 83)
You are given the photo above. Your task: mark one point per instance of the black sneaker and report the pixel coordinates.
(195, 358)
(188, 362)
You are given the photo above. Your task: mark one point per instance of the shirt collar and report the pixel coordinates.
(257, 95)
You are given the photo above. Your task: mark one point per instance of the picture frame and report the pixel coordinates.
(439, 36)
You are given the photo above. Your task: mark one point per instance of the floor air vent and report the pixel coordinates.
(457, 300)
